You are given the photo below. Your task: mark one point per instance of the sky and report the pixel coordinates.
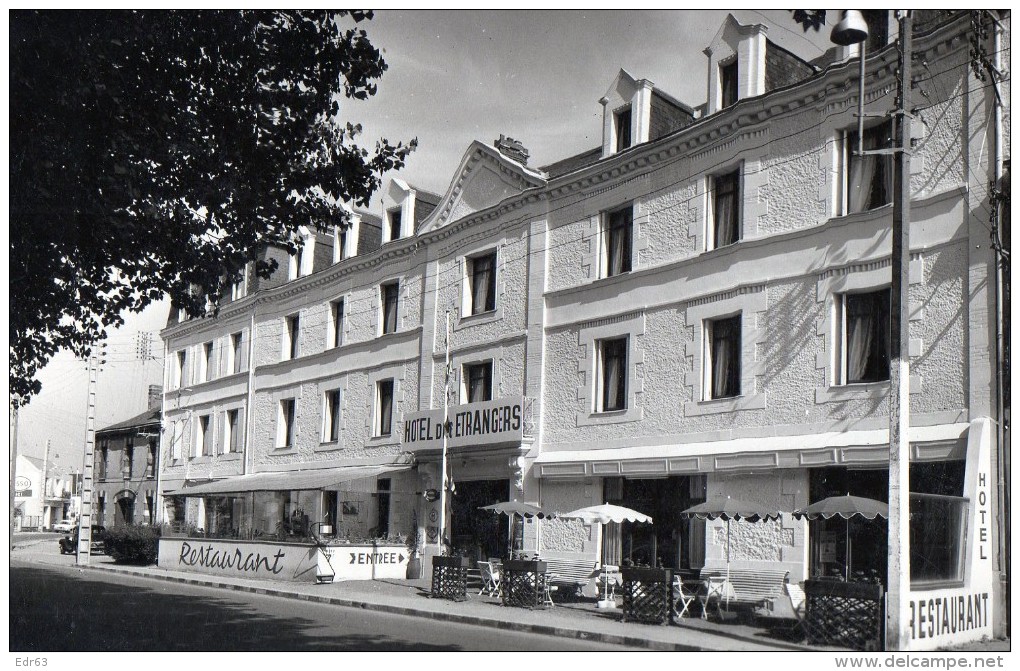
(453, 77)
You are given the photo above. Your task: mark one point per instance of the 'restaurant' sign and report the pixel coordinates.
(485, 423)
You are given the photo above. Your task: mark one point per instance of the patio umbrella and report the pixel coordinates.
(845, 507)
(729, 508)
(602, 514)
(521, 509)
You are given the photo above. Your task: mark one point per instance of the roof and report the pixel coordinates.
(150, 416)
(572, 163)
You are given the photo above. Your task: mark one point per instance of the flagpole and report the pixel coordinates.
(446, 431)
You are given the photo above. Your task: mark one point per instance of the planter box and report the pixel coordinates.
(647, 595)
(449, 578)
(451, 562)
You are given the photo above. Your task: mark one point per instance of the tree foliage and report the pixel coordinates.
(809, 18)
(155, 152)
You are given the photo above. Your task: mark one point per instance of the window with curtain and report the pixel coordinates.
(390, 293)
(869, 178)
(478, 382)
(724, 357)
(482, 273)
(331, 417)
(613, 378)
(385, 407)
(336, 319)
(866, 323)
(236, 353)
(617, 236)
(233, 431)
(726, 209)
(622, 120)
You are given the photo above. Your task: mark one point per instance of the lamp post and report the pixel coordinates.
(852, 29)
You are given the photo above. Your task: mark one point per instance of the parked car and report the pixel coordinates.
(69, 543)
(64, 526)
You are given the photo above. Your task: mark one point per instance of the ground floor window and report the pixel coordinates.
(670, 541)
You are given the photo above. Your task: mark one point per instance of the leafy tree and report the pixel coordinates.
(156, 153)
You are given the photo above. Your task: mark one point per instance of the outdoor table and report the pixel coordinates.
(720, 590)
(524, 583)
(449, 578)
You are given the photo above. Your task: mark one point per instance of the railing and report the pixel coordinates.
(844, 614)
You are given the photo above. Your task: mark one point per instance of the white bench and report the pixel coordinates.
(749, 586)
(569, 573)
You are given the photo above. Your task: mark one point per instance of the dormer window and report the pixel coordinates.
(393, 218)
(728, 83)
(301, 260)
(621, 121)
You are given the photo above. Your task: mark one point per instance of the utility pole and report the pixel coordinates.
(446, 432)
(85, 517)
(898, 574)
(16, 406)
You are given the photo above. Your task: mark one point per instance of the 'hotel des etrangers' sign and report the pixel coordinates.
(484, 423)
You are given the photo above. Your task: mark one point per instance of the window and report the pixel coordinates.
(389, 292)
(612, 375)
(203, 441)
(239, 289)
(477, 382)
(725, 209)
(285, 424)
(150, 459)
(290, 337)
(231, 431)
(482, 278)
(176, 438)
(336, 323)
(296, 261)
(868, 178)
(621, 122)
(180, 368)
(339, 244)
(617, 236)
(127, 460)
(205, 363)
(331, 417)
(864, 323)
(722, 367)
(393, 218)
(104, 459)
(236, 353)
(384, 407)
(728, 83)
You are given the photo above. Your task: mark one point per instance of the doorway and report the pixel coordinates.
(124, 513)
(479, 534)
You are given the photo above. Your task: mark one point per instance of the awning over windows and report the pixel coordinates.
(323, 478)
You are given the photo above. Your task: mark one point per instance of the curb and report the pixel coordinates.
(545, 630)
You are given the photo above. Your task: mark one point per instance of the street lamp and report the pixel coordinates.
(848, 31)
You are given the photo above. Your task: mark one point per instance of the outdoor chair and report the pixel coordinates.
(682, 598)
(490, 578)
(789, 605)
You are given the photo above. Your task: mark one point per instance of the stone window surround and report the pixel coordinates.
(857, 278)
(707, 241)
(395, 373)
(750, 303)
(628, 326)
(463, 298)
(592, 259)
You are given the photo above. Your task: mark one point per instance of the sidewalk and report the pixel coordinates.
(579, 620)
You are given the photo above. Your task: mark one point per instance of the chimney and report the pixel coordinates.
(155, 396)
(512, 149)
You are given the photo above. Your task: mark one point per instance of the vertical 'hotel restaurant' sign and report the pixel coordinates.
(485, 423)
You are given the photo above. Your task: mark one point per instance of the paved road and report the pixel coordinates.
(66, 609)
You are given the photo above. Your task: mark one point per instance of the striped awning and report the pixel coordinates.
(322, 478)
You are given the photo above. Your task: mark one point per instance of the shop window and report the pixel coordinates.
(868, 179)
(477, 382)
(291, 332)
(612, 375)
(390, 293)
(864, 323)
(482, 279)
(725, 228)
(617, 241)
(336, 323)
(722, 364)
(728, 83)
(331, 417)
(621, 125)
(285, 426)
(384, 407)
(232, 431)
